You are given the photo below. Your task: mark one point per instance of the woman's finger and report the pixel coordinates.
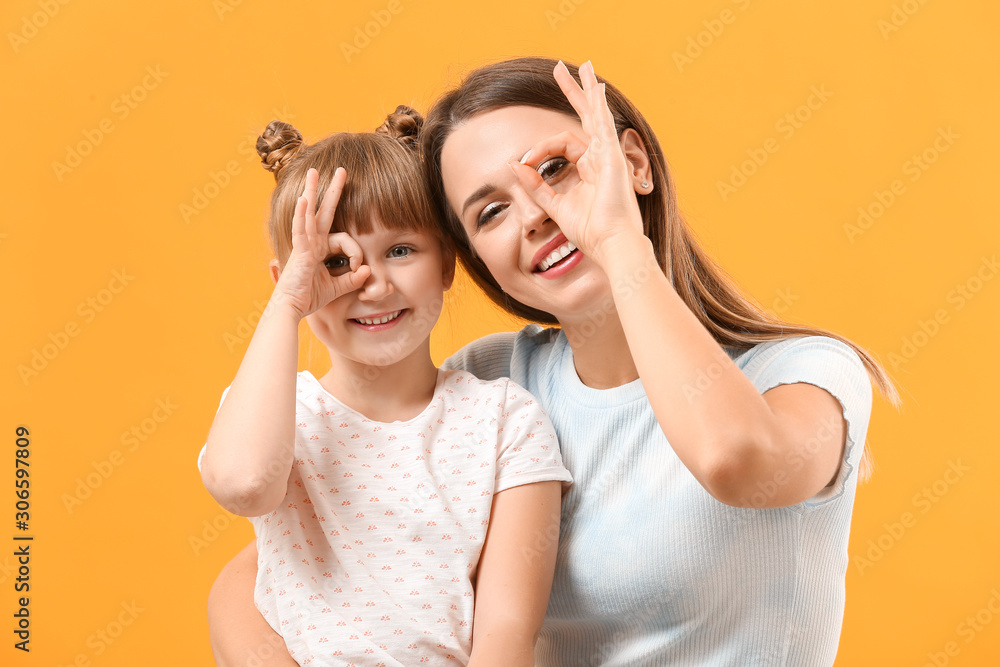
(536, 188)
(604, 120)
(574, 94)
(566, 144)
(328, 208)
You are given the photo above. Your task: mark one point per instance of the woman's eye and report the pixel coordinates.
(337, 264)
(400, 251)
(550, 168)
(489, 213)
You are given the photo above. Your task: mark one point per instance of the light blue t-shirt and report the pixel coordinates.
(651, 569)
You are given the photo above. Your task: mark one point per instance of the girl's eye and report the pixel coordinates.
(337, 264)
(551, 168)
(400, 251)
(489, 213)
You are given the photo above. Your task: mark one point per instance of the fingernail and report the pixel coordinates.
(525, 157)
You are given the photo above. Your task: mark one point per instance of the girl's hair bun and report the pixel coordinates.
(403, 125)
(278, 145)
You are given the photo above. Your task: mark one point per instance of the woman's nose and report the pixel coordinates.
(377, 286)
(533, 216)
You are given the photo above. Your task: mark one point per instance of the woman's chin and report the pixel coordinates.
(585, 296)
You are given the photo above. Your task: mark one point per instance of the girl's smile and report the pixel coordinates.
(389, 318)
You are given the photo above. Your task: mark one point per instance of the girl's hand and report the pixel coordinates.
(316, 270)
(602, 205)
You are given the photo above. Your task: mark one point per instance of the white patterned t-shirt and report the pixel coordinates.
(369, 558)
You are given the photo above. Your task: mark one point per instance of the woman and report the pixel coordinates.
(715, 449)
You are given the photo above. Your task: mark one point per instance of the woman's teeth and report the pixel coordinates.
(556, 255)
(378, 320)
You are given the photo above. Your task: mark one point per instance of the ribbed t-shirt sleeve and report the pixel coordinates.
(831, 365)
(528, 450)
(487, 358)
(204, 448)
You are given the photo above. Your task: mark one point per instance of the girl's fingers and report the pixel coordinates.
(309, 192)
(566, 144)
(344, 244)
(348, 282)
(299, 223)
(330, 200)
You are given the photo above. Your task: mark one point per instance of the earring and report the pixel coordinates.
(644, 185)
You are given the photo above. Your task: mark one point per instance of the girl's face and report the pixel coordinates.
(514, 237)
(390, 317)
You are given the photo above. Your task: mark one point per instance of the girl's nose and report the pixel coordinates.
(377, 286)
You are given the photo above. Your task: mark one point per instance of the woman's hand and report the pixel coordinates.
(601, 208)
(321, 266)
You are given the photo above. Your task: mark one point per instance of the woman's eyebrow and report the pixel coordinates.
(483, 191)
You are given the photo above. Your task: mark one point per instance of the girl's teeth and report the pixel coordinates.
(379, 320)
(556, 255)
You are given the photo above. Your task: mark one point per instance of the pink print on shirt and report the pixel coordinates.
(370, 557)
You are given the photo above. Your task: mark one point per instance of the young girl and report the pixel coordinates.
(394, 503)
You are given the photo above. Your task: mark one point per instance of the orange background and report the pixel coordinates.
(123, 528)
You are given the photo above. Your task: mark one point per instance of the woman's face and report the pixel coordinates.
(514, 237)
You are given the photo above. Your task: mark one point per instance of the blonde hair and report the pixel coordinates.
(385, 182)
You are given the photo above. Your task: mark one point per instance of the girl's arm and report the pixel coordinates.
(239, 634)
(250, 445)
(514, 576)
(733, 439)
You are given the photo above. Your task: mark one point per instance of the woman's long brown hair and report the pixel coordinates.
(733, 318)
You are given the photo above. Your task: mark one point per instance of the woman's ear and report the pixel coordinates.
(638, 160)
(275, 270)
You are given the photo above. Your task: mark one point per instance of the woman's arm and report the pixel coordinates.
(514, 576)
(250, 445)
(239, 634)
(732, 438)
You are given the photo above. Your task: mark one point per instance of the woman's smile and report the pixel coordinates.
(516, 239)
